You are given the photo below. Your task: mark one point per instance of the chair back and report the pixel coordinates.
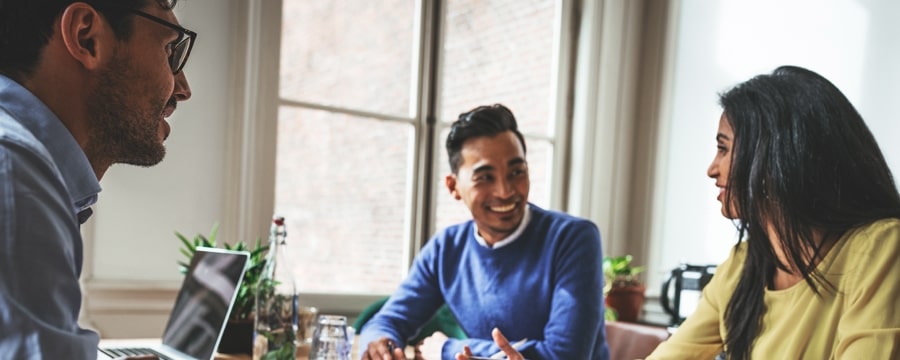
(629, 341)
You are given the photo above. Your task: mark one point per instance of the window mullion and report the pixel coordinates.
(428, 52)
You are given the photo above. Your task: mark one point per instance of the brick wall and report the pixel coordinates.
(343, 182)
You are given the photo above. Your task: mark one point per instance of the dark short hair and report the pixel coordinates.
(485, 120)
(27, 25)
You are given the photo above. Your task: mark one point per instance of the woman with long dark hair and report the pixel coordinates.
(816, 271)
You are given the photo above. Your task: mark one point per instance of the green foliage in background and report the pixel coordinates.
(618, 272)
(246, 296)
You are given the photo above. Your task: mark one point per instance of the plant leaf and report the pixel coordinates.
(184, 240)
(213, 232)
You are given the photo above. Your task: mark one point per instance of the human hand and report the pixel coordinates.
(431, 347)
(501, 341)
(383, 349)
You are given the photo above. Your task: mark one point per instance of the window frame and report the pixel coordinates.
(598, 48)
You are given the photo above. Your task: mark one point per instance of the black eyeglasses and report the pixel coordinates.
(181, 47)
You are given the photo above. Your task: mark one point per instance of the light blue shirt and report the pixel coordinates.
(45, 182)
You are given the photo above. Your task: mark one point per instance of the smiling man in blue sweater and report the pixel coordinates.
(533, 274)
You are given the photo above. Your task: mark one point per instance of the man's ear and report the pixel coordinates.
(450, 182)
(85, 34)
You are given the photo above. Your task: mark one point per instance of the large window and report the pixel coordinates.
(366, 92)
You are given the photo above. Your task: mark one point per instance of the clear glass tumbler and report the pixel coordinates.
(331, 339)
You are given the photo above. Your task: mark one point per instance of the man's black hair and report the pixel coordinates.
(486, 120)
(27, 25)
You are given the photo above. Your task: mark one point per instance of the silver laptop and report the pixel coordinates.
(201, 309)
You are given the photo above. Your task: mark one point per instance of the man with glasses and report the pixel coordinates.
(83, 86)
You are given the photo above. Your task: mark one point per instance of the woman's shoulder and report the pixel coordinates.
(737, 256)
(867, 251)
(886, 224)
(727, 273)
(880, 237)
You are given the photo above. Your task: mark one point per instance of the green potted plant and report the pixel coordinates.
(238, 336)
(623, 291)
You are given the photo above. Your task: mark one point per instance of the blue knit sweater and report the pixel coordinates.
(546, 286)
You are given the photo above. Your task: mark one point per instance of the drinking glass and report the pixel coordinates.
(331, 339)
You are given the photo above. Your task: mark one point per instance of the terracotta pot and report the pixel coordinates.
(627, 301)
(237, 338)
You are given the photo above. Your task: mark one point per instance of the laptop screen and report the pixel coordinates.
(204, 301)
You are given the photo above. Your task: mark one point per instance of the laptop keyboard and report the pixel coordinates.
(117, 352)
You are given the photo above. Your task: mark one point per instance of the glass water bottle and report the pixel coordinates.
(275, 332)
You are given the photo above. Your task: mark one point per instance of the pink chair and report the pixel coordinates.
(629, 341)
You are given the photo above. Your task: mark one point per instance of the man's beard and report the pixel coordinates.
(123, 132)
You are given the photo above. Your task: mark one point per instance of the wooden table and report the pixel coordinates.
(302, 353)
(302, 350)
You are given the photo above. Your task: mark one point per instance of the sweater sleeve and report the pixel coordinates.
(413, 304)
(869, 328)
(700, 335)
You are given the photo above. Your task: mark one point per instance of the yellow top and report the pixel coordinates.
(861, 320)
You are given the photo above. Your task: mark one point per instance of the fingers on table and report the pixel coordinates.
(383, 349)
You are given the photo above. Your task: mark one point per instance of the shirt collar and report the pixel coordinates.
(512, 237)
(77, 172)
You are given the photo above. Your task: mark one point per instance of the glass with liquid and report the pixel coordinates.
(331, 339)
